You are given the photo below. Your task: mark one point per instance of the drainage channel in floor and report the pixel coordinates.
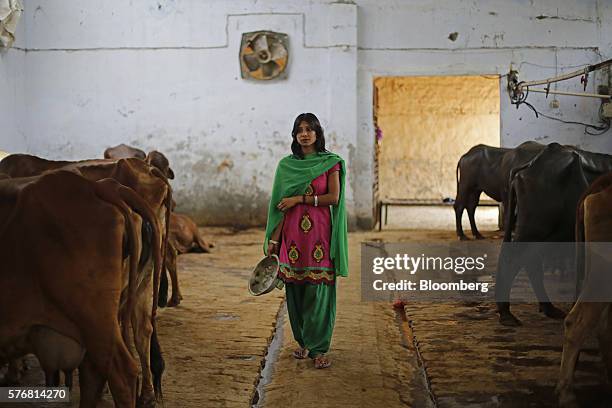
(271, 358)
(424, 395)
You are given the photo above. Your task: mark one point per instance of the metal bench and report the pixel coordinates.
(405, 202)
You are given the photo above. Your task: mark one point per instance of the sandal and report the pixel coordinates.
(321, 361)
(300, 353)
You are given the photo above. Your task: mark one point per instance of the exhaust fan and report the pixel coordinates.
(263, 55)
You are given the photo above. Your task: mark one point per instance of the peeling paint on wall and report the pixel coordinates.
(168, 78)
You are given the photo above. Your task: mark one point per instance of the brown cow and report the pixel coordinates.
(159, 160)
(52, 229)
(151, 185)
(183, 237)
(593, 224)
(123, 151)
(26, 165)
(183, 232)
(154, 158)
(147, 182)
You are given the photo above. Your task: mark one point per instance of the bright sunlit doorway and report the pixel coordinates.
(423, 126)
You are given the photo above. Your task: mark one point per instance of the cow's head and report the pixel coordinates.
(157, 159)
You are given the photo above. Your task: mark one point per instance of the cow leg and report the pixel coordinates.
(13, 375)
(501, 215)
(52, 378)
(471, 204)
(123, 375)
(458, 206)
(91, 383)
(119, 368)
(508, 267)
(143, 329)
(68, 379)
(108, 358)
(535, 273)
(605, 343)
(581, 320)
(171, 256)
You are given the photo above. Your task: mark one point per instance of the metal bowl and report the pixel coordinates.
(265, 276)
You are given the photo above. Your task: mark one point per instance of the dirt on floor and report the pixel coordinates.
(426, 355)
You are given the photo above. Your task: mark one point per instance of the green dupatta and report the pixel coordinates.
(293, 175)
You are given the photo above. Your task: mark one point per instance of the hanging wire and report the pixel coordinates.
(598, 130)
(518, 97)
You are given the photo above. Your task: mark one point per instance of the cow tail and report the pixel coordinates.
(155, 355)
(457, 174)
(130, 304)
(110, 195)
(164, 243)
(168, 211)
(162, 300)
(149, 216)
(510, 213)
(580, 246)
(157, 363)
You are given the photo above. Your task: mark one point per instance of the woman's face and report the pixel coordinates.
(306, 136)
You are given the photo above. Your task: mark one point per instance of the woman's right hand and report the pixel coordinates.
(273, 248)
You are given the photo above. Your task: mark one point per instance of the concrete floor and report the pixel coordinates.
(426, 355)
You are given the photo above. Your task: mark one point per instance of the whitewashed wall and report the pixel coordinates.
(12, 94)
(540, 38)
(165, 75)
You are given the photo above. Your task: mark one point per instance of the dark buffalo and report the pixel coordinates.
(486, 169)
(542, 203)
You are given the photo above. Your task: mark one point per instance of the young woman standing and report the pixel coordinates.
(306, 228)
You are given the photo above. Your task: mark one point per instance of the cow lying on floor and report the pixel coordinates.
(185, 236)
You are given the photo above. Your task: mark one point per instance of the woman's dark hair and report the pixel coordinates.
(315, 125)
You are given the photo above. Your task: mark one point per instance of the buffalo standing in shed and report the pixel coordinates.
(486, 169)
(542, 205)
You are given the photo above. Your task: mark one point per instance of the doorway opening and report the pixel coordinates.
(423, 125)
